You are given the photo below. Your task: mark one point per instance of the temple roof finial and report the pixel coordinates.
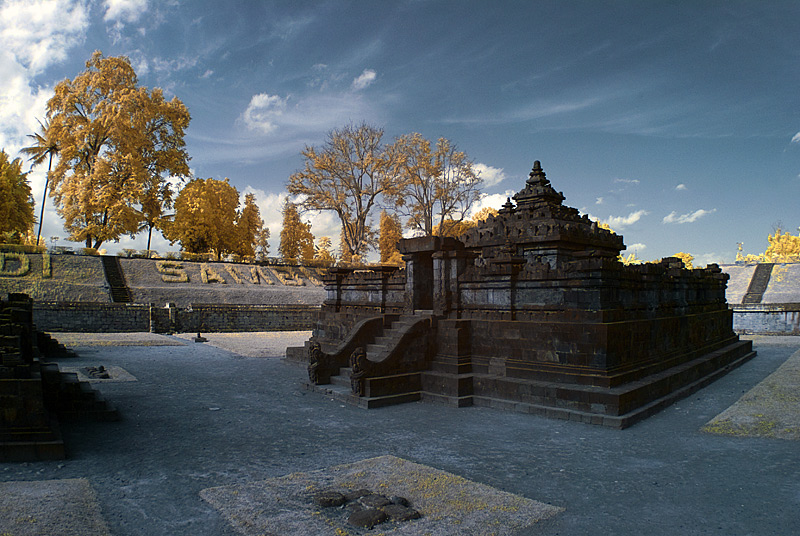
(537, 175)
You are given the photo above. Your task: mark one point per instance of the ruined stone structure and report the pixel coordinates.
(34, 394)
(530, 311)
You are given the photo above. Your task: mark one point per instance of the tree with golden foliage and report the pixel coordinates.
(297, 242)
(207, 219)
(458, 228)
(249, 227)
(118, 143)
(782, 247)
(322, 251)
(686, 258)
(262, 244)
(347, 175)
(391, 231)
(438, 184)
(16, 203)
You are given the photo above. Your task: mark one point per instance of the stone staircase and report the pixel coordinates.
(380, 390)
(72, 399)
(120, 293)
(758, 284)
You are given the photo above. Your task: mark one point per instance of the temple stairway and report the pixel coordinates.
(116, 280)
(758, 284)
(381, 390)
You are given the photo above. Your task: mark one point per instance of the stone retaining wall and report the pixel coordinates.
(767, 319)
(116, 317)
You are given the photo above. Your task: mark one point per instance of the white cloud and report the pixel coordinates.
(34, 34)
(490, 175)
(681, 187)
(691, 217)
(37, 33)
(599, 201)
(263, 112)
(495, 201)
(620, 222)
(796, 138)
(124, 10)
(364, 79)
(627, 181)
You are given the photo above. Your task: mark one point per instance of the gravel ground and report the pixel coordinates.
(201, 417)
(770, 409)
(254, 344)
(65, 507)
(75, 339)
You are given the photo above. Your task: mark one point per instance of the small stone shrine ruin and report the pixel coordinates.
(530, 311)
(34, 394)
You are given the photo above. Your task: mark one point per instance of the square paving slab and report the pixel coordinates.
(449, 504)
(48, 507)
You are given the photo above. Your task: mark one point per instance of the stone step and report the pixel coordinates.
(452, 401)
(342, 394)
(377, 350)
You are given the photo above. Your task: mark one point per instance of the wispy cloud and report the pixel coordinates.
(626, 181)
(691, 217)
(491, 175)
(681, 187)
(301, 115)
(599, 201)
(535, 110)
(796, 138)
(364, 79)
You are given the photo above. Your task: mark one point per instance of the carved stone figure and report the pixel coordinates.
(315, 362)
(359, 366)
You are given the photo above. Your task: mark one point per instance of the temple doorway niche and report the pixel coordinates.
(422, 298)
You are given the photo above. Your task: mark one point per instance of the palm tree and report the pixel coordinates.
(44, 146)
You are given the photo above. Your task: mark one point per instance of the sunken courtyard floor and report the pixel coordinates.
(221, 438)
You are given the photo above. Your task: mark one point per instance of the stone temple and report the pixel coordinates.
(530, 311)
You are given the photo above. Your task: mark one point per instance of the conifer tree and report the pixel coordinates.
(391, 231)
(297, 242)
(249, 227)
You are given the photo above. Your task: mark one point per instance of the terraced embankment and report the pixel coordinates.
(81, 279)
(73, 293)
(56, 278)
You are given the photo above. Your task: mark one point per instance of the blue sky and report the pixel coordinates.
(676, 122)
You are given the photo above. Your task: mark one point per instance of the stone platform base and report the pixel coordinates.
(27, 450)
(614, 407)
